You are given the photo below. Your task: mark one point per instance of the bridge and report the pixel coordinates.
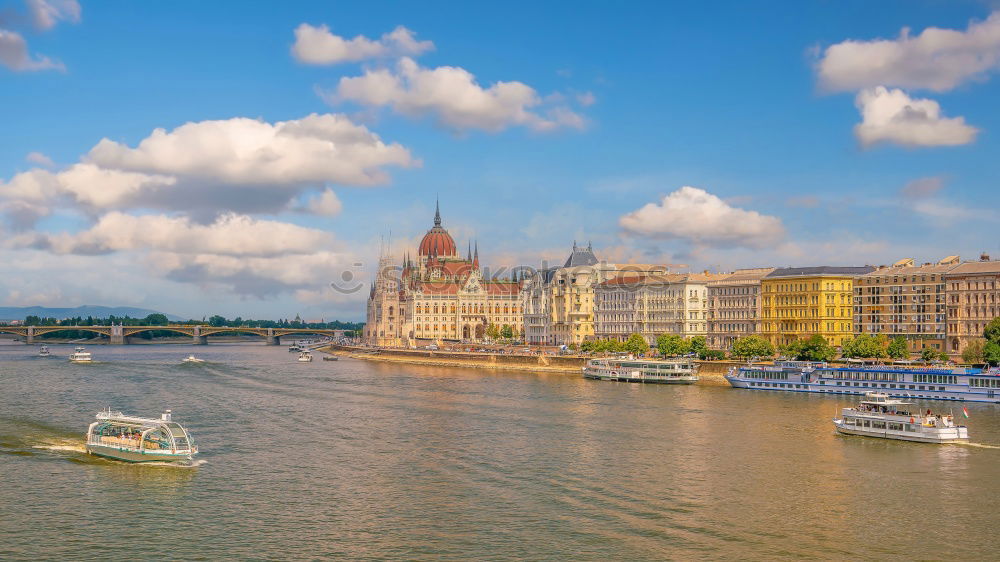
(118, 335)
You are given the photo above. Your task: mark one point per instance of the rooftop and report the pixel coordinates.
(849, 271)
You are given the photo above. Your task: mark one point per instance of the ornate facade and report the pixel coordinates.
(439, 296)
(734, 307)
(973, 299)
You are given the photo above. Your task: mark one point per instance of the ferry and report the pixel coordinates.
(294, 348)
(681, 371)
(878, 415)
(44, 351)
(305, 357)
(80, 356)
(133, 439)
(933, 383)
(192, 359)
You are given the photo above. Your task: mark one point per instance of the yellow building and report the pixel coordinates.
(798, 302)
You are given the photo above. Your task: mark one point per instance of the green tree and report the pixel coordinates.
(863, 346)
(992, 330)
(492, 331)
(670, 345)
(698, 344)
(929, 354)
(217, 321)
(636, 344)
(991, 353)
(752, 346)
(156, 320)
(815, 348)
(507, 331)
(973, 353)
(898, 349)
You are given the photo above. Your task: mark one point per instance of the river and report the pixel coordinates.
(361, 460)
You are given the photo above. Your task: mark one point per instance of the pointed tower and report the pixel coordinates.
(475, 257)
(437, 212)
(469, 255)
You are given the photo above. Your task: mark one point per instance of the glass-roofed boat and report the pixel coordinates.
(134, 439)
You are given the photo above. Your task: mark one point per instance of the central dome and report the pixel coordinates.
(437, 241)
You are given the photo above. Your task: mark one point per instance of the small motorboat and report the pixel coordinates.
(133, 439)
(44, 351)
(330, 358)
(294, 347)
(305, 357)
(80, 356)
(192, 359)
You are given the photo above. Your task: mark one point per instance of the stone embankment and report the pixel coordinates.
(710, 371)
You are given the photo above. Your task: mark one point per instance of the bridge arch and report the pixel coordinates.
(126, 331)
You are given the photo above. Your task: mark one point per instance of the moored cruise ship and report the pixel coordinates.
(682, 371)
(965, 384)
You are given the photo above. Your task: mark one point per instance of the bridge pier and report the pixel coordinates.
(273, 340)
(200, 340)
(29, 338)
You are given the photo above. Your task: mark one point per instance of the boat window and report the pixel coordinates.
(878, 425)
(866, 423)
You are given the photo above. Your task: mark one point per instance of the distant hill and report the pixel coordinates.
(19, 312)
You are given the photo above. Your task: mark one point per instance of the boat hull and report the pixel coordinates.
(812, 387)
(638, 378)
(952, 435)
(131, 455)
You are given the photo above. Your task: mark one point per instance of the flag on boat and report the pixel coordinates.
(965, 412)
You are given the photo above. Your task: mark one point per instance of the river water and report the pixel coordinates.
(382, 461)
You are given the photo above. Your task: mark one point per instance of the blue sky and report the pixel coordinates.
(755, 107)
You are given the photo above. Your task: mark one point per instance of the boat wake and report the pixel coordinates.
(72, 447)
(981, 445)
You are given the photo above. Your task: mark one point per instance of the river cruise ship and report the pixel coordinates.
(880, 416)
(681, 371)
(133, 439)
(935, 383)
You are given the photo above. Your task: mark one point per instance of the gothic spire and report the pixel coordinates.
(475, 257)
(469, 257)
(437, 212)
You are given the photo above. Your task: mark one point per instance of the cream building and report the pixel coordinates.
(734, 307)
(905, 300)
(653, 304)
(973, 299)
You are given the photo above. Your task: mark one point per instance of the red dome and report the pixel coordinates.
(437, 242)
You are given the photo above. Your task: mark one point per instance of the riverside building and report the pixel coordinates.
(798, 302)
(905, 300)
(973, 299)
(734, 307)
(653, 304)
(439, 296)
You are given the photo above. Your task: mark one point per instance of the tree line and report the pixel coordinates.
(813, 348)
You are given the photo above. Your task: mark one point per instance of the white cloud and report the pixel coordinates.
(326, 204)
(316, 45)
(697, 216)
(15, 56)
(47, 13)
(586, 99)
(936, 59)
(230, 234)
(314, 149)
(892, 116)
(40, 159)
(452, 95)
(208, 167)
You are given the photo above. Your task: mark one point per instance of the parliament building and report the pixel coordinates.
(439, 296)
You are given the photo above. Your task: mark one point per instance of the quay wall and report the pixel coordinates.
(710, 371)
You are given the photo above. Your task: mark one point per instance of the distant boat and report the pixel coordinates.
(192, 359)
(44, 351)
(80, 356)
(305, 357)
(330, 358)
(294, 348)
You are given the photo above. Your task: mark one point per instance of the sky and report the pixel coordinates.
(249, 158)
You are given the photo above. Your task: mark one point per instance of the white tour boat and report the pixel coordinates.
(44, 351)
(878, 415)
(80, 356)
(133, 439)
(192, 359)
(305, 356)
(294, 347)
(679, 371)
